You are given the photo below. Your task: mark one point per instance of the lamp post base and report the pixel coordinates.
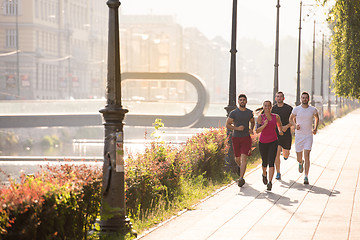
(116, 227)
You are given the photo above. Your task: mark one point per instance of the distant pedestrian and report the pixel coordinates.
(302, 118)
(284, 111)
(268, 142)
(238, 121)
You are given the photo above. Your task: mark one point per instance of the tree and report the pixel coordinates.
(345, 19)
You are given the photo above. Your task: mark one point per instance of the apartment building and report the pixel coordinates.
(52, 49)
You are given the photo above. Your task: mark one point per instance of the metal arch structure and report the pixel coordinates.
(195, 118)
(187, 120)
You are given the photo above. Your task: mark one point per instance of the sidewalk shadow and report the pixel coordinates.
(249, 191)
(310, 188)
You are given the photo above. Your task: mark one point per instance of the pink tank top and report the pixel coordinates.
(268, 134)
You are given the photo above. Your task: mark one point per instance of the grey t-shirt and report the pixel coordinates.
(241, 118)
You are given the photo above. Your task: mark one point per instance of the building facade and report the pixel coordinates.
(52, 49)
(57, 49)
(152, 43)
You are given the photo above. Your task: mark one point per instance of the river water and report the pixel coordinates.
(136, 139)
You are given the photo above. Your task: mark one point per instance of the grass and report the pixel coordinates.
(193, 192)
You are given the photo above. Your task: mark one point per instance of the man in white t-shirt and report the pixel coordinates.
(302, 119)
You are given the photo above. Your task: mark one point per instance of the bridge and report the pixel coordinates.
(71, 113)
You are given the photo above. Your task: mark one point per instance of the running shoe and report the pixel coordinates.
(265, 181)
(278, 176)
(306, 180)
(241, 182)
(269, 186)
(301, 167)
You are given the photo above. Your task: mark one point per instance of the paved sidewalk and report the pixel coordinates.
(328, 208)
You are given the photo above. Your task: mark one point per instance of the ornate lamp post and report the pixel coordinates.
(297, 103)
(329, 88)
(276, 65)
(232, 84)
(322, 65)
(113, 209)
(322, 75)
(313, 71)
(17, 50)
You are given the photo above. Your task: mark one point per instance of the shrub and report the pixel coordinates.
(8, 140)
(57, 203)
(156, 175)
(328, 116)
(152, 176)
(50, 141)
(206, 152)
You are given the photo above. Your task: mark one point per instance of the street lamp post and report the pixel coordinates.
(322, 74)
(322, 66)
(69, 61)
(113, 208)
(313, 71)
(329, 103)
(232, 84)
(276, 65)
(16, 9)
(297, 103)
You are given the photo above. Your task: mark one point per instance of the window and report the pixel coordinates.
(10, 74)
(10, 38)
(11, 7)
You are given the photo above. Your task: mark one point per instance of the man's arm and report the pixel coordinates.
(292, 121)
(316, 115)
(252, 125)
(230, 125)
(279, 124)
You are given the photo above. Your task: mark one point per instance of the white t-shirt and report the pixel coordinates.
(304, 117)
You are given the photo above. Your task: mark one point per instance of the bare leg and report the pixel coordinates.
(238, 161)
(286, 153)
(264, 171)
(277, 159)
(243, 165)
(299, 156)
(307, 161)
(271, 173)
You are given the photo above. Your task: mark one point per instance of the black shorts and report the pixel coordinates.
(285, 140)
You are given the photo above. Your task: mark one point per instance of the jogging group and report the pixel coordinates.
(274, 125)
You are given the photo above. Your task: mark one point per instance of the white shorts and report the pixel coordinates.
(303, 142)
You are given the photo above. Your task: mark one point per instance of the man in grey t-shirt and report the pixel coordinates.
(238, 121)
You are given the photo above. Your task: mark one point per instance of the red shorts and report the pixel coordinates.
(241, 145)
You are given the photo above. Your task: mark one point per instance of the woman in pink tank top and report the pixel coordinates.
(268, 142)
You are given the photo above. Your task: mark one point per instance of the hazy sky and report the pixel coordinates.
(256, 19)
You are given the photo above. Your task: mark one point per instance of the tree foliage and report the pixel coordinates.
(345, 19)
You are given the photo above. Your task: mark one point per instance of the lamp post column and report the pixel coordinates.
(297, 103)
(313, 71)
(113, 209)
(232, 85)
(322, 77)
(16, 7)
(276, 65)
(329, 88)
